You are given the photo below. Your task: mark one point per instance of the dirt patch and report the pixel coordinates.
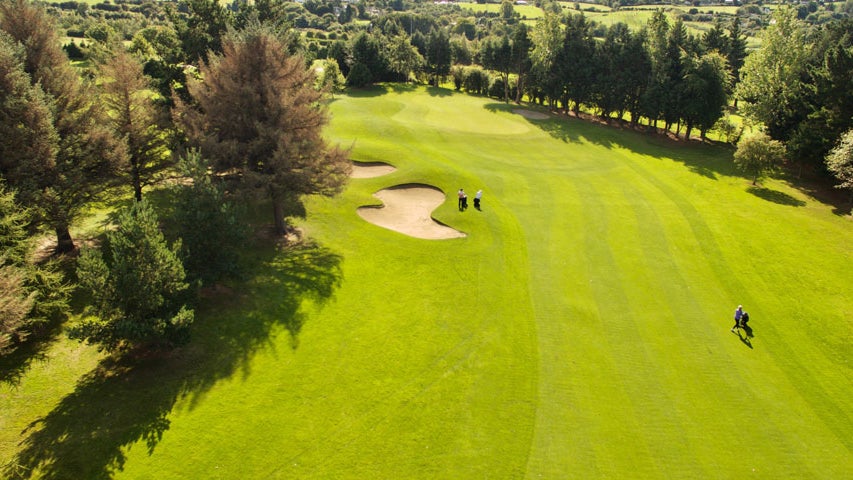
(408, 209)
(370, 169)
(530, 114)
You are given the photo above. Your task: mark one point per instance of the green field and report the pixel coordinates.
(580, 330)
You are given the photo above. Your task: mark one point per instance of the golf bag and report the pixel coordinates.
(743, 319)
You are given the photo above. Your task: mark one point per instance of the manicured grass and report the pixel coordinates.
(581, 330)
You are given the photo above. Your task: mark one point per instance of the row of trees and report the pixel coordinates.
(796, 86)
(248, 123)
(660, 73)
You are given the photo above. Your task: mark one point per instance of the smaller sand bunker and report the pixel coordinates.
(408, 209)
(370, 169)
(530, 114)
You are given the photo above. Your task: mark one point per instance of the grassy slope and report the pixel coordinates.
(580, 330)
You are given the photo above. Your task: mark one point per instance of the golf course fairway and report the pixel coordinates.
(579, 330)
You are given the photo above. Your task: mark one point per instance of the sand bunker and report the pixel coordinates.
(530, 114)
(370, 169)
(407, 209)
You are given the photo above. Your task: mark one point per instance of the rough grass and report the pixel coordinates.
(580, 330)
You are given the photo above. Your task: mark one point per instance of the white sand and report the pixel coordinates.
(408, 209)
(370, 169)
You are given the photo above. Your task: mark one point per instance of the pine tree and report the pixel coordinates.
(30, 294)
(137, 286)
(258, 116)
(86, 152)
(134, 118)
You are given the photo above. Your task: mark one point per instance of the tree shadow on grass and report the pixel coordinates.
(14, 365)
(128, 399)
(380, 89)
(702, 158)
(776, 196)
(439, 91)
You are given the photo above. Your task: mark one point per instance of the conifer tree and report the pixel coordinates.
(134, 118)
(86, 152)
(257, 117)
(137, 286)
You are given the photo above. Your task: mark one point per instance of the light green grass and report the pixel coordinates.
(581, 330)
(525, 11)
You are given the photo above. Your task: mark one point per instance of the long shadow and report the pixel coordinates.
(14, 365)
(439, 91)
(747, 336)
(776, 196)
(380, 89)
(128, 399)
(701, 158)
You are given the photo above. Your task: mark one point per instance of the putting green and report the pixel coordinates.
(580, 330)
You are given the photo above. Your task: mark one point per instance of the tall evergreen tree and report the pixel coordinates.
(735, 52)
(715, 39)
(496, 54)
(521, 63)
(654, 98)
(31, 294)
(257, 116)
(135, 118)
(705, 84)
(86, 153)
(438, 55)
(367, 52)
(575, 62)
(674, 70)
(28, 139)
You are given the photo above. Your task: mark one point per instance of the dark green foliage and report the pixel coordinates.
(359, 76)
(437, 55)
(31, 295)
(476, 80)
(208, 223)
(367, 51)
(521, 62)
(73, 51)
(574, 65)
(201, 31)
(705, 84)
(496, 54)
(137, 284)
(798, 85)
(339, 52)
